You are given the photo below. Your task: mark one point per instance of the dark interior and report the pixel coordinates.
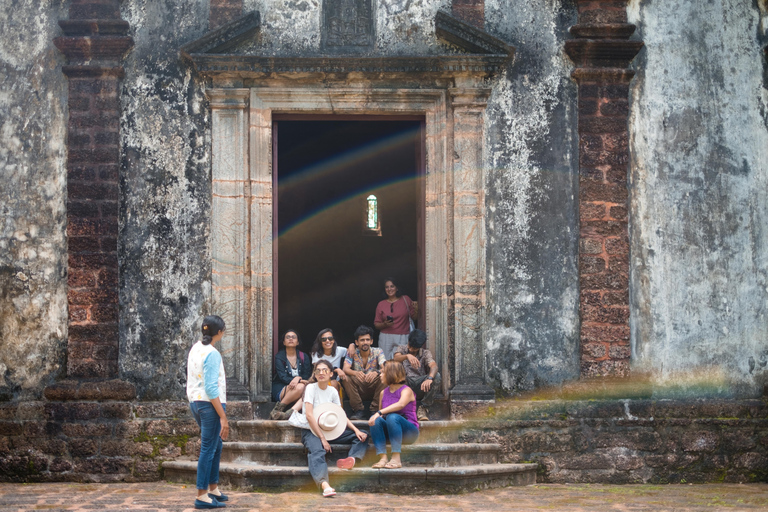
(330, 271)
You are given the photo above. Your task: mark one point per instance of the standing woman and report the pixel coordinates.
(293, 369)
(396, 418)
(393, 318)
(207, 394)
(325, 347)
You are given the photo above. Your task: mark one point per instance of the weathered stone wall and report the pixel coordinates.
(630, 441)
(532, 190)
(96, 441)
(165, 197)
(607, 441)
(699, 200)
(33, 251)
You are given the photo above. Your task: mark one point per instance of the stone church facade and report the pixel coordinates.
(594, 204)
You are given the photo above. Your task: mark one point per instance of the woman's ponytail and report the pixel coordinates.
(212, 325)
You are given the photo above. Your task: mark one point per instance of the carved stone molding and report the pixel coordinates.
(485, 55)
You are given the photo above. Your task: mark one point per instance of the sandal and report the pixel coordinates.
(393, 465)
(380, 464)
(329, 492)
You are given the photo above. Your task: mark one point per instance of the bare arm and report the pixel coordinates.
(349, 371)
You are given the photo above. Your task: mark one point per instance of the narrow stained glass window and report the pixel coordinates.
(372, 213)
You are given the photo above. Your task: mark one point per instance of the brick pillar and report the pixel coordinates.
(94, 42)
(602, 51)
(469, 11)
(224, 11)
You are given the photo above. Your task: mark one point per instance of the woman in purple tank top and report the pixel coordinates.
(396, 418)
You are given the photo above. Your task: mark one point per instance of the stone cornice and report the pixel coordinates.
(468, 37)
(250, 66)
(88, 48)
(486, 55)
(613, 53)
(224, 37)
(94, 27)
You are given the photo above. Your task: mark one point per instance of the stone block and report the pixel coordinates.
(619, 351)
(640, 440)
(129, 429)
(590, 461)
(125, 448)
(590, 245)
(72, 411)
(594, 350)
(166, 410)
(599, 191)
(103, 466)
(604, 281)
(172, 427)
(591, 265)
(82, 209)
(116, 410)
(752, 461)
(90, 429)
(148, 469)
(82, 447)
(701, 441)
(605, 315)
(59, 465)
(10, 428)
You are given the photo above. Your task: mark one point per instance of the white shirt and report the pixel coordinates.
(315, 396)
(341, 353)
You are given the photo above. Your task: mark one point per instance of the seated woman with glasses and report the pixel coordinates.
(325, 347)
(320, 423)
(292, 372)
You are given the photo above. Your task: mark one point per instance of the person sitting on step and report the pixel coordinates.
(323, 420)
(363, 369)
(325, 347)
(420, 371)
(396, 418)
(292, 372)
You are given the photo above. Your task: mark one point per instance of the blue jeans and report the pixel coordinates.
(210, 442)
(318, 467)
(397, 429)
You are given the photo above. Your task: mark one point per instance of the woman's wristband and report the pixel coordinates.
(380, 413)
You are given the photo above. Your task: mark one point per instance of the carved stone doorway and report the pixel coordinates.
(248, 91)
(348, 212)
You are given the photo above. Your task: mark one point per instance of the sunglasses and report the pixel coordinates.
(328, 339)
(320, 371)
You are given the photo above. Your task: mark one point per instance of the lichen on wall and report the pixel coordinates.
(165, 197)
(532, 224)
(699, 195)
(33, 117)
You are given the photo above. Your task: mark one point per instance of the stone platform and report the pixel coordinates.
(270, 456)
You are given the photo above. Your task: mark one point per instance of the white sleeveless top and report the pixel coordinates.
(195, 384)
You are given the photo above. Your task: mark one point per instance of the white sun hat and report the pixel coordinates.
(331, 419)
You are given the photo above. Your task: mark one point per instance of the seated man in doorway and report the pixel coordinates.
(420, 371)
(363, 368)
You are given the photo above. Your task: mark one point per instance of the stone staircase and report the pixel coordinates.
(268, 455)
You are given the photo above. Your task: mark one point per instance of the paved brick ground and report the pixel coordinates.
(161, 496)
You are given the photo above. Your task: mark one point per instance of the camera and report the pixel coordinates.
(390, 319)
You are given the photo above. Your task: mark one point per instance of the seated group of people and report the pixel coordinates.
(393, 386)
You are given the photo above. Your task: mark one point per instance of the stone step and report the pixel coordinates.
(294, 454)
(270, 431)
(411, 479)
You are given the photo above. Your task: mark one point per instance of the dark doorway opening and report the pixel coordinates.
(330, 265)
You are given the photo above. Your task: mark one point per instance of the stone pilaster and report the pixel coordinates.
(224, 11)
(468, 107)
(230, 210)
(94, 41)
(602, 51)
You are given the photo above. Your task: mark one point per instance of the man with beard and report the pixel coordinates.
(363, 369)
